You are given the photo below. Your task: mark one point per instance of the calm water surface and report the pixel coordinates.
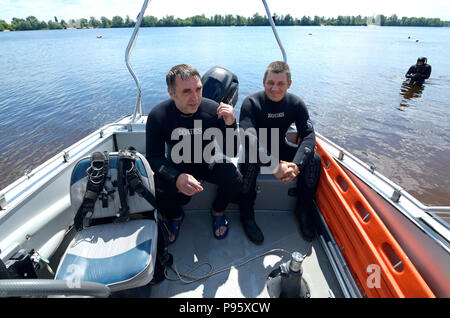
(58, 86)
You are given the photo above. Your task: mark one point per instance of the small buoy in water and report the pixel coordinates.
(309, 33)
(409, 37)
(99, 36)
(417, 40)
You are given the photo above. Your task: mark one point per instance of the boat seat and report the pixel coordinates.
(119, 254)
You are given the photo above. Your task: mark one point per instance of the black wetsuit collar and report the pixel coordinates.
(181, 114)
(270, 102)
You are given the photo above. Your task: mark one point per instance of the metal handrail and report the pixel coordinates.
(274, 29)
(98, 134)
(138, 109)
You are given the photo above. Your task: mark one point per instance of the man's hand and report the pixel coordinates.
(226, 112)
(188, 185)
(286, 171)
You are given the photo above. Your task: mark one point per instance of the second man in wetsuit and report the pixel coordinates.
(275, 108)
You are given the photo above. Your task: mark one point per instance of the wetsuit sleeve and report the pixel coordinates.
(306, 133)
(248, 127)
(156, 151)
(410, 72)
(235, 141)
(246, 118)
(427, 71)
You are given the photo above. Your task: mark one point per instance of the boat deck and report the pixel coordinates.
(196, 245)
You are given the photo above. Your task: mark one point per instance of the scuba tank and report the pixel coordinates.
(287, 280)
(292, 278)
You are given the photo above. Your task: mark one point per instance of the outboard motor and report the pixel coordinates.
(220, 85)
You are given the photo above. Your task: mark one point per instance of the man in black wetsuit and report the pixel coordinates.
(181, 123)
(274, 108)
(419, 72)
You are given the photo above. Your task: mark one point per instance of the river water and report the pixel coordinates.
(58, 86)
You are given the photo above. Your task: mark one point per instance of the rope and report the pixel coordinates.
(179, 276)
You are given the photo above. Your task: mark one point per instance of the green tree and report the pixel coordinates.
(316, 20)
(287, 20)
(129, 23)
(52, 25)
(360, 21)
(4, 26)
(63, 24)
(20, 24)
(94, 23)
(106, 23)
(187, 22)
(392, 20)
(230, 20)
(305, 21)
(217, 20)
(258, 20)
(149, 21)
(167, 21)
(200, 20)
(241, 21)
(117, 22)
(42, 25)
(34, 22)
(84, 23)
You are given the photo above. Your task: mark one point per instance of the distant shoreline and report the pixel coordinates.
(32, 23)
(219, 26)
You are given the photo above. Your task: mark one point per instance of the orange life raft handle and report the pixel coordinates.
(378, 263)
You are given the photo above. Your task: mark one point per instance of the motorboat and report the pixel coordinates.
(373, 239)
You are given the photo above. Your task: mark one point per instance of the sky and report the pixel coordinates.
(75, 9)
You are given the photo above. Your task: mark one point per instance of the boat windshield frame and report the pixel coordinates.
(138, 112)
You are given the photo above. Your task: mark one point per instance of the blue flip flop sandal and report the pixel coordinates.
(219, 221)
(174, 227)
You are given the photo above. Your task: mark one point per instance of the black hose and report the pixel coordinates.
(47, 287)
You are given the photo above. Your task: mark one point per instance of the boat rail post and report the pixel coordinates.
(274, 29)
(127, 60)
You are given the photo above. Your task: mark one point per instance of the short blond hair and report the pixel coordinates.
(278, 67)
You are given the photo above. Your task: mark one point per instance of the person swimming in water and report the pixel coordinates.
(420, 71)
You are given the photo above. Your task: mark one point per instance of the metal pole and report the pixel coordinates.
(275, 31)
(127, 60)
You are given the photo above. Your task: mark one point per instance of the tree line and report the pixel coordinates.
(32, 23)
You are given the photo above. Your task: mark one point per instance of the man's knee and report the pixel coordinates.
(227, 174)
(167, 195)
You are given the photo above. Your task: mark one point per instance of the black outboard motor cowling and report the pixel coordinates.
(220, 85)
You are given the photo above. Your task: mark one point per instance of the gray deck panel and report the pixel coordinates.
(196, 245)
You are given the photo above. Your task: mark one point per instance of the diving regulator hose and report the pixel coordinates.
(193, 279)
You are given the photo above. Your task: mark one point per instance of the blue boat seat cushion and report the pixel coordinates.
(120, 255)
